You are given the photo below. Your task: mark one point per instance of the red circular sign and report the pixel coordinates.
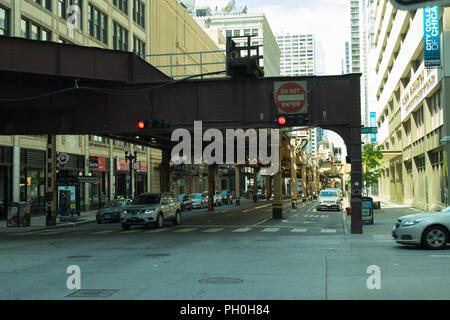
(290, 97)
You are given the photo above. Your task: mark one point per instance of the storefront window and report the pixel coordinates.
(32, 188)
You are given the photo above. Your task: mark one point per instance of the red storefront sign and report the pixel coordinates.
(122, 165)
(97, 163)
(142, 166)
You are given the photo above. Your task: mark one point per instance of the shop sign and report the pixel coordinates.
(97, 163)
(122, 165)
(142, 166)
(423, 81)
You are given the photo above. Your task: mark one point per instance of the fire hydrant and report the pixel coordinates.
(349, 211)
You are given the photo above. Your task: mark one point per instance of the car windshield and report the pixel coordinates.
(147, 199)
(195, 196)
(328, 194)
(224, 193)
(181, 197)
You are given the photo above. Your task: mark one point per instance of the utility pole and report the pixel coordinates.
(132, 160)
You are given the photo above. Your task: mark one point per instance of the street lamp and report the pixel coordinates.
(132, 160)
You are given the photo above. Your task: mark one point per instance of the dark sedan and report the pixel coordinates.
(185, 202)
(111, 211)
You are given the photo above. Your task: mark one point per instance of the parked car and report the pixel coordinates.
(260, 194)
(110, 211)
(227, 197)
(329, 200)
(198, 200)
(431, 229)
(151, 209)
(339, 192)
(185, 202)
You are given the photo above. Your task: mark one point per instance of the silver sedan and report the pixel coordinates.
(430, 230)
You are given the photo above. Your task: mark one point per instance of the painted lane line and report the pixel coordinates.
(270, 229)
(328, 230)
(130, 231)
(299, 230)
(186, 230)
(242, 230)
(102, 232)
(213, 230)
(159, 230)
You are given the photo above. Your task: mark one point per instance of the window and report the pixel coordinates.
(138, 47)
(255, 32)
(237, 33)
(97, 24)
(62, 40)
(30, 30)
(122, 5)
(64, 6)
(229, 33)
(246, 32)
(139, 13)
(120, 37)
(47, 4)
(436, 110)
(419, 123)
(4, 22)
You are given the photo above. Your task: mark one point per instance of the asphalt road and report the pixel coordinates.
(231, 253)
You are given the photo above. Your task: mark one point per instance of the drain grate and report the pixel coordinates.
(221, 280)
(92, 293)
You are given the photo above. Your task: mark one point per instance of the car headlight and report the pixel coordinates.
(123, 211)
(411, 222)
(149, 210)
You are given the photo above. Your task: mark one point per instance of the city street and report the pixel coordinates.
(231, 253)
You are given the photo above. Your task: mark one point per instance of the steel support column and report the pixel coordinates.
(238, 184)
(277, 204)
(164, 172)
(51, 183)
(293, 173)
(211, 187)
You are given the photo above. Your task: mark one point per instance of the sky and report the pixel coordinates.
(327, 20)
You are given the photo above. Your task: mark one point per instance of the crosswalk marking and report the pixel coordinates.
(242, 230)
(159, 230)
(185, 230)
(213, 230)
(103, 232)
(328, 230)
(270, 229)
(299, 230)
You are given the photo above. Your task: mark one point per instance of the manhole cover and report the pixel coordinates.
(92, 293)
(221, 280)
(157, 255)
(78, 257)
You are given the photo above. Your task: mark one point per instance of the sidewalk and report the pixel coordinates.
(39, 223)
(383, 219)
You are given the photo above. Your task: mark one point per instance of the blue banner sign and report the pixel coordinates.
(431, 40)
(373, 123)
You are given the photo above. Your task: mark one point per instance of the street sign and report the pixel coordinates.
(63, 158)
(366, 130)
(290, 97)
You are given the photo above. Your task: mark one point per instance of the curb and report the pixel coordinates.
(63, 225)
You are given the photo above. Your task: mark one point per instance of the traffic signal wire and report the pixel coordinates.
(109, 91)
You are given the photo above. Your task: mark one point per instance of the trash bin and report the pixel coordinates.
(19, 214)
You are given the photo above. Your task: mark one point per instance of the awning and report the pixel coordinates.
(390, 154)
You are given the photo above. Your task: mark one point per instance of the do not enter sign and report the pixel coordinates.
(290, 97)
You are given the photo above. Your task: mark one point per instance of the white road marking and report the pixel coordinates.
(213, 230)
(328, 230)
(159, 230)
(130, 231)
(102, 232)
(270, 229)
(299, 230)
(242, 230)
(185, 230)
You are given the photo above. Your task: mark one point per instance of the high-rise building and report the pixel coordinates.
(298, 54)
(243, 24)
(410, 102)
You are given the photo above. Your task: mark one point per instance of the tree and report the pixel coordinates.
(371, 158)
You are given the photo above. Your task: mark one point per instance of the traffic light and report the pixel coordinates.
(152, 124)
(292, 120)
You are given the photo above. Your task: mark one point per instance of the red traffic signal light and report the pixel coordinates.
(140, 125)
(281, 120)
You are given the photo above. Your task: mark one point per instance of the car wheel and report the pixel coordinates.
(125, 226)
(160, 221)
(177, 219)
(434, 238)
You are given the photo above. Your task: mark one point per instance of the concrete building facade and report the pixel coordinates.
(141, 26)
(411, 103)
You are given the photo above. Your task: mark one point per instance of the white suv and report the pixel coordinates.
(151, 209)
(329, 200)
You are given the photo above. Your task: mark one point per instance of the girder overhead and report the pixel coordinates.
(51, 88)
